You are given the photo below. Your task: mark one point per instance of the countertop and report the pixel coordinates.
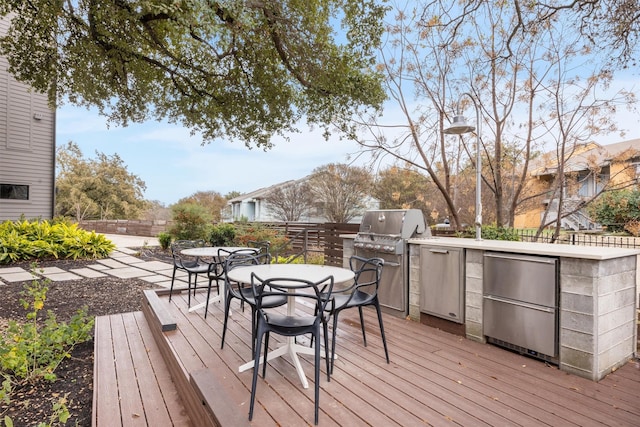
(548, 249)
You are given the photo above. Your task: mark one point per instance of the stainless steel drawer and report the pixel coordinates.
(529, 326)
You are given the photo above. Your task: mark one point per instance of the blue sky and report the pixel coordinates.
(174, 164)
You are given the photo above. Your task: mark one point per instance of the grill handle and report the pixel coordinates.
(391, 264)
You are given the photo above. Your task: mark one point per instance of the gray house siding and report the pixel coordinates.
(27, 147)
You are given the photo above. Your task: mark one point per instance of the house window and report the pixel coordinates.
(14, 191)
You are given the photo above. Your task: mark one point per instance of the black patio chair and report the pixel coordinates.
(317, 294)
(244, 293)
(191, 265)
(363, 292)
(263, 246)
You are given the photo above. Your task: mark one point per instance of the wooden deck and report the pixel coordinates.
(434, 378)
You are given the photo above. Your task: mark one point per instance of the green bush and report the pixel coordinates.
(164, 239)
(493, 232)
(312, 258)
(190, 222)
(256, 232)
(33, 349)
(222, 235)
(614, 209)
(25, 240)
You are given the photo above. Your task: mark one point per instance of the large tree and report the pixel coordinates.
(406, 188)
(212, 201)
(611, 24)
(290, 201)
(442, 59)
(100, 188)
(236, 69)
(341, 191)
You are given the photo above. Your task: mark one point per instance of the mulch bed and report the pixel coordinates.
(31, 404)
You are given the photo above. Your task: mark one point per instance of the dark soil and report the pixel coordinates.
(32, 403)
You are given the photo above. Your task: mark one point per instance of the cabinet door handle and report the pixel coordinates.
(439, 251)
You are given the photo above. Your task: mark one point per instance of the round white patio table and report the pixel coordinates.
(311, 272)
(212, 251)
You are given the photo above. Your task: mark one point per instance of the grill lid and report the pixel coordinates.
(400, 223)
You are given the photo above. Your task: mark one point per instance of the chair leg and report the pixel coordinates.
(254, 319)
(326, 348)
(256, 366)
(227, 304)
(206, 306)
(384, 340)
(189, 290)
(333, 340)
(173, 278)
(317, 372)
(266, 348)
(364, 336)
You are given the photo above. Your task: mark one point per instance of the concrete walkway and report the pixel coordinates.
(121, 263)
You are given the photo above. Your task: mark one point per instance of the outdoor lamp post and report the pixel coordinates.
(459, 127)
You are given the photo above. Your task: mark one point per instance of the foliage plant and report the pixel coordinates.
(211, 66)
(247, 232)
(493, 232)
(98, 188)
(190, 221)
(222, 235)
(33, 349)
(312, 258)
(38, 239)
(164, 239)
(614, 209)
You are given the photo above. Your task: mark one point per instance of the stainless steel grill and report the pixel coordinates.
(384, 234)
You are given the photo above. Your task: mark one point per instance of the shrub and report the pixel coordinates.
(222, 235)
(614, 209)
(164, 239)
(35, 348)
(493, 232)
(256, 232)
(25, 240)
(190, 221)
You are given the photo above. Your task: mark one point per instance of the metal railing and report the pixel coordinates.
(582, 239)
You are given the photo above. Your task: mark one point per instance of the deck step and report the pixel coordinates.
(131, 383)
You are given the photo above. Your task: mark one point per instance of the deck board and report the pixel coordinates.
(434, 378)
(132, 384)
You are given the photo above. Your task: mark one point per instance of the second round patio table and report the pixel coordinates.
(311, 272)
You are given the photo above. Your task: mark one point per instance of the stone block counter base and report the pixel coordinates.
(597, 302)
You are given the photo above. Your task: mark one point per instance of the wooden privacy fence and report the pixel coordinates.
(309, 238)
(304, 237)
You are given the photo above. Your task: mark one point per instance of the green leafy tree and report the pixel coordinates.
(616, 209)
(341, 191)
(212, 201)
(234, 69)
(100, 188)
(190, 221)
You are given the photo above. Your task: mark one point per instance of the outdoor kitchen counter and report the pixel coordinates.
(546, 249)
(597, 302)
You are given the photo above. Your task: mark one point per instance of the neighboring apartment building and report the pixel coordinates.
(27, 149)
(590, 169)
(253, 207)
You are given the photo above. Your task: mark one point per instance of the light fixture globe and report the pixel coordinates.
(459, 126)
